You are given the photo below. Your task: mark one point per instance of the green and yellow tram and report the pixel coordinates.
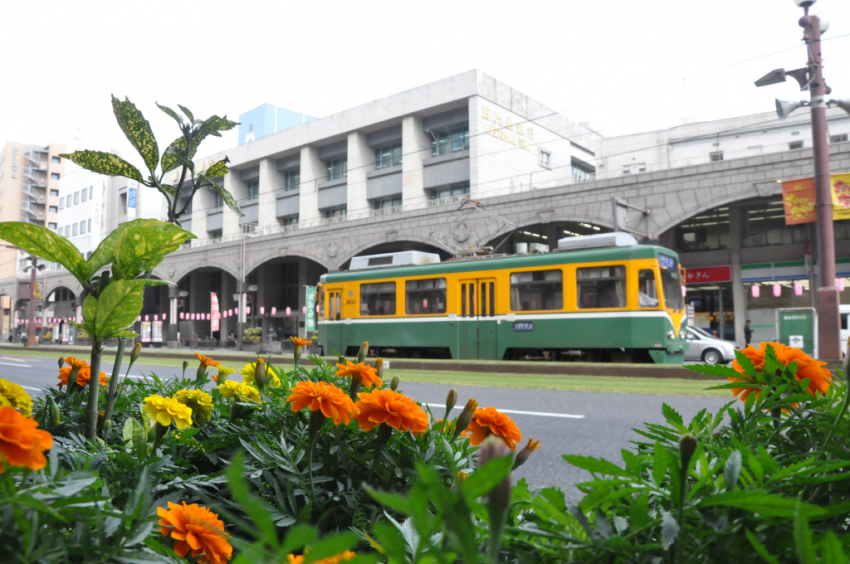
(598, 298)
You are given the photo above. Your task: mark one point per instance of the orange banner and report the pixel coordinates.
(799, 198)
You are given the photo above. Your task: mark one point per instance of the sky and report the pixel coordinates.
(620, 65)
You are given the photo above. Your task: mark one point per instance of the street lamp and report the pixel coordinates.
(811, 78)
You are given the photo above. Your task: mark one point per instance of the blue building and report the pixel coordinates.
(266, 120)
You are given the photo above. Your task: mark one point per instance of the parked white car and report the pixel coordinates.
(708, 349)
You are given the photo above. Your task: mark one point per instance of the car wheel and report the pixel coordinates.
(712, 356)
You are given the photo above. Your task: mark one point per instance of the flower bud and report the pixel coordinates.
(364, 350)
(185, 366)
(260, 373)
(61, 362)
(462, 476)
(394, 383)
(53, 410)
(465, 417)
(523, 455)
(687, 446)
(451, 402)
(379, 367)
(134, 354)
(341, 360)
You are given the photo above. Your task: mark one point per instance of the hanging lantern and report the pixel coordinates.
(209, 316)
(304, 309)
(777, 290)
(163, 317)
(288, 311)
(274, 310)
(317, 308)
(147, 318)
(755, 290)
(798, 289)
(839, 283)
(181, 315)
(236, 310)
(247, 310)
(684, 292)
(156, 317)
(262, 310)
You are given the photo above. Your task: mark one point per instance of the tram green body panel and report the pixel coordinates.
(489, 339)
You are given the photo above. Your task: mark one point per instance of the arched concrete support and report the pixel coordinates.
(267, 249)
(178, 265)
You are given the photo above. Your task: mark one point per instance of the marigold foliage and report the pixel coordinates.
(165, 410)
(392, 408)
(807, 367)
(333, 402)
(22, 443)
(196, 529)
(13, 395)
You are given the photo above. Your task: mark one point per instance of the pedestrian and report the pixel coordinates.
(748, 332)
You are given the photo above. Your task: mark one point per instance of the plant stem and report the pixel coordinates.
(683, 489)
(310, 446)
(94, 385)
(112, 393)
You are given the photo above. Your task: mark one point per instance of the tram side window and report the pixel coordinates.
(424, 297)
(537, 291)
(647, 289)
(601, 287)
(377, 299)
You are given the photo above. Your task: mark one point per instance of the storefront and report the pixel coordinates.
(709, 298)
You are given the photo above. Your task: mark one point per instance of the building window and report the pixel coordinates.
(795, 145)
(61, 203)
(450, 142)
(389, 204)
(54, 176)
(337, 169)
(583, 173)
(85, 195)
(450, 193)
(253, 189)
(83, 227)
(89, 229)
(377, 299)
(52, 226)
(53, 209)
(424, 297)
(291, 180)
(182, 203)
(215, 234)
(338, 212)
(54, 193)
(388, 156)
(647, 289)
(289, 220)
(68, 201)
(545, 159)
(76, 198)
(218, 201)
(56, 159)
(764, 225)
(705, 232)
(74, 230)
(601, 287)
(634, 168)
(91, 192)
(838, 138)
(537, 291)
(67, 231)
(716, 156)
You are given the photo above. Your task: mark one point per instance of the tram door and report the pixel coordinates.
(477, 319)
(334, 309)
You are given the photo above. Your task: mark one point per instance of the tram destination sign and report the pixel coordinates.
(524, 326)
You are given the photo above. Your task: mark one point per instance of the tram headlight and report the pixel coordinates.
(671, 334)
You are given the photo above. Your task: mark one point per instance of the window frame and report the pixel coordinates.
(387, 156)
(363, 302)
(252, 189)
(544, 158)
(334, 174)
(407, 293)
(288, 176)
(517, 307)
(623, 278)
(444, 142)
(657, 298)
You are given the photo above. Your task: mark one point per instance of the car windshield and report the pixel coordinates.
(700, 332)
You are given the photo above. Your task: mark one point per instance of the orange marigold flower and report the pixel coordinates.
(197, 529)
(333, 402)
(206, 360)
(366, 373)
(83, 376)
(21, 442)
(488, 421)
(336, 559)
(392, 408)
(807, 367)
(299, 342)
(75, 362)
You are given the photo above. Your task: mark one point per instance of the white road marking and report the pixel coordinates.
(31, 388)
(19, 365)
(536, 413)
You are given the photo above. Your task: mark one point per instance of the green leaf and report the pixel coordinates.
(487, 477)
(250, 504)
(719, 370)
(177, 117)
(669, 530)
(639, 512)
(104, 163)
(118, 306)
(143, 248)
(159, 283)
(108, 249)
(297, 538)
(169, 189)
(659, 463)
(833, 551)
(211, 126)
(125, 335)
(137, 129)
(597, 465)
(219, 169)
(330, 546)
(225, 195)
(673, 417)
(803, 535)
(769, 505)
(395, 502)
(186, 111)
(46, 244)
(760, 549)
(732, 470)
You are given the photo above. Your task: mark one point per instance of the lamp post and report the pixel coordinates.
(811, 78)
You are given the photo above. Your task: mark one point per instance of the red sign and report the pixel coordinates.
(708, 274)
(799, 199)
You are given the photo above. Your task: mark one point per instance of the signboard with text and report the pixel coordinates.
(708, 274)
(156, 332)
(215, 316)
(146, 331)
(310, 315)
(840, 187)
(799, 198)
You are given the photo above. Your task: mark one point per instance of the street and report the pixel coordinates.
(586, 423)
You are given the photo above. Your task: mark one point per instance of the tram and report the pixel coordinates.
(598, 298)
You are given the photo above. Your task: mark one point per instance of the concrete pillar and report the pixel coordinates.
(361, 159)
(271, 182)
(414, 146)
(739, 295)
(261, 296)
(302, 295)
(313, 171)
(223, 300)
(230, 221)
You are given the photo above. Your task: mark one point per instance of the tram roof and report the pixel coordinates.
(501, 263)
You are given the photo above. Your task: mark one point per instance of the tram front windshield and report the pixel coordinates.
(672, 284)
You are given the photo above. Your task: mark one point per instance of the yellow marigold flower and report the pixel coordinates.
(75, 362)
(299, 342)
(199, 401)
(336, 559)
(13, 395)
(22, 444)
(249, 371)
(206, 360)
(366, 373)
(243, 392)
(197, 529)
(165, 410)
(489, 421)
(333, 402)
(392, 408)
(462, 476)
(222, 371)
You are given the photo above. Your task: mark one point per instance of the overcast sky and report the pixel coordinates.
(622, 65)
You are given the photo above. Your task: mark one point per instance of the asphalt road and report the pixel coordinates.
(586, 423)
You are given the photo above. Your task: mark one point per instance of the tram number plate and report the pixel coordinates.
(524, 326)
